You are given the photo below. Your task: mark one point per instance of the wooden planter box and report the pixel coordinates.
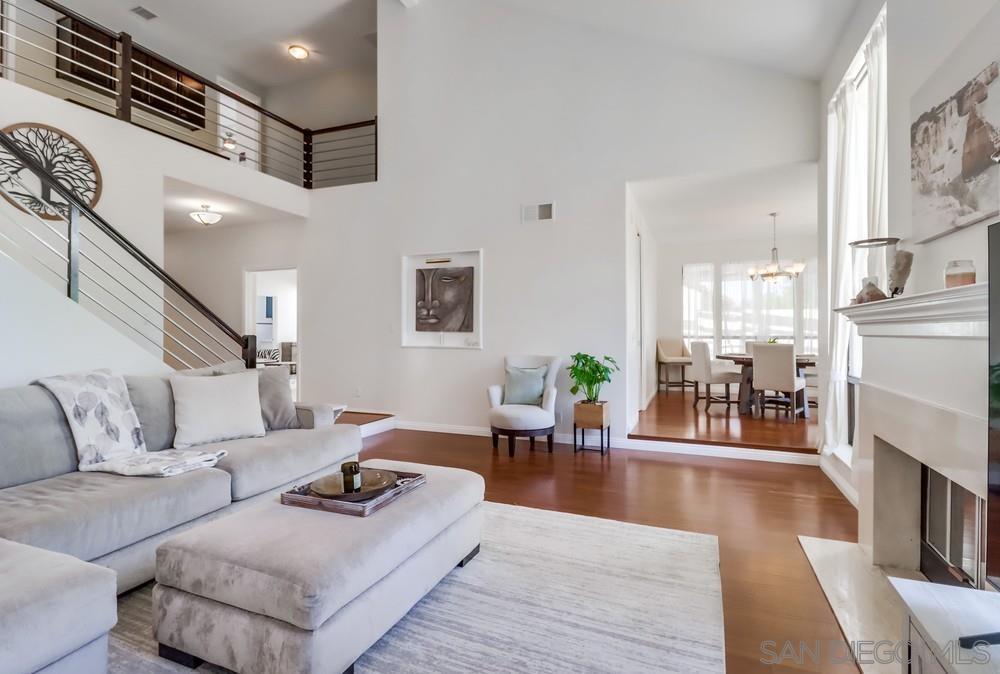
(592, 415)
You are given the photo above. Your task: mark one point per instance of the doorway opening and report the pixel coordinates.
(271, 312)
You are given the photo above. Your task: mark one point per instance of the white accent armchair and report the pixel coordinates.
(525, 421)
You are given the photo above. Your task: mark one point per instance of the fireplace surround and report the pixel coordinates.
(922, 417)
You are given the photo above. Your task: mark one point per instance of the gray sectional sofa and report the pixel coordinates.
(117, 522)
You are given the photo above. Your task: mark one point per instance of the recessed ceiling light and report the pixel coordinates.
(205, 216)
(298, 52)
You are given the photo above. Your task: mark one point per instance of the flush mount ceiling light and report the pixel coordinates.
(298, 52)
(773, 271)
(205, 216)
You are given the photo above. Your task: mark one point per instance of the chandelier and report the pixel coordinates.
(773, 271)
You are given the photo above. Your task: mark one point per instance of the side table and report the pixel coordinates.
(595, 416)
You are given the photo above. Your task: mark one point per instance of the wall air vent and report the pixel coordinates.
(537, 212)
(144, 13)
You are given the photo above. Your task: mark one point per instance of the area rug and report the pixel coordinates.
(549, 592)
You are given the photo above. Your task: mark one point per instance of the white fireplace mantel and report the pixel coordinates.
(956, 313)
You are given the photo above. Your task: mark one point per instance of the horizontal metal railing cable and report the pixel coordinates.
(220, 91)
(124, 285)
(58, 56)
(21, 8)
(56, 39)
(151, 91)
(21, 247)
(116, 237)
(107, 102)
(135, 329)
(84, 255)
(64, 73)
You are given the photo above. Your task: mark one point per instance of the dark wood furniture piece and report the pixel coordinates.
(512, 437)
(663, 375)
(596, 416)
(745, 360)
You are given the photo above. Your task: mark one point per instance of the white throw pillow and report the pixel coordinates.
(213, 409)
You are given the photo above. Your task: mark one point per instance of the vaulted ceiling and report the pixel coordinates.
(792, 36)
(248, 39)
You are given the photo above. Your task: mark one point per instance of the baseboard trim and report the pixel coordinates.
(845, 487)
(713, 451)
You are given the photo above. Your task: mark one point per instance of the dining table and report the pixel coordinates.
(745, 361)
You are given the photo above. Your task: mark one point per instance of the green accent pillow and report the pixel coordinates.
(524, 385)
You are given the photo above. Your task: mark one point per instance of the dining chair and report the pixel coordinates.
(775, 370)
(672, 352)
(706, 371)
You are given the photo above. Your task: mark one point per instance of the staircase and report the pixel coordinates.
(47, 228)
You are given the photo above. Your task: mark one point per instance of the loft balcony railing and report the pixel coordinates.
(51, 48)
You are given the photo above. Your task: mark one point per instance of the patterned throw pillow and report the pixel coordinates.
(269, 355)
(100, 415)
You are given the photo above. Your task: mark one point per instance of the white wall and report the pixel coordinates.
(484, 107)
(673, 257)
(343, 96)
(642, 264)
(45, 333)
(212, 262)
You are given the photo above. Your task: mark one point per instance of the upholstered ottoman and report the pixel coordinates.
(281, 589)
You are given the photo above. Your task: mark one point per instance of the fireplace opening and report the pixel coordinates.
(951, 526)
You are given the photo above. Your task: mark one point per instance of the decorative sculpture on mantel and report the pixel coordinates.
(902, 264)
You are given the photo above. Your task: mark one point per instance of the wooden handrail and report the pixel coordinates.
(344, 127)
(222, 90)
(75, 202)
(56, 7)
(124, 99)
(66, 11)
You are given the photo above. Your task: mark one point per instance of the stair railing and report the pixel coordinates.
(97, 266)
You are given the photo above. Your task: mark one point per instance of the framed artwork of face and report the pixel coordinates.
(445, 299)
(442, 300)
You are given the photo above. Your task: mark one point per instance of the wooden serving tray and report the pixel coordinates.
(301, 498)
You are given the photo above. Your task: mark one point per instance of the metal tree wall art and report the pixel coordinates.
(58, 153)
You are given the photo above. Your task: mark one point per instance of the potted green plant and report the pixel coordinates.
(589, 374)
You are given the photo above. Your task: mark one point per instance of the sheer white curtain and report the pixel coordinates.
(755, 310)
(786, 310)
(842, 207)
(878, 142)
(699, 304)
(858, 209)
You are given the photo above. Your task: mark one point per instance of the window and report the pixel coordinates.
(723, 307)
(698, 287)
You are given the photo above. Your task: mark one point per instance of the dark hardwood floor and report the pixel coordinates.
(671, 417)
(756, 509)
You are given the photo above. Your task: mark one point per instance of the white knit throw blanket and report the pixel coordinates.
(106, 428)
(168, 463)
